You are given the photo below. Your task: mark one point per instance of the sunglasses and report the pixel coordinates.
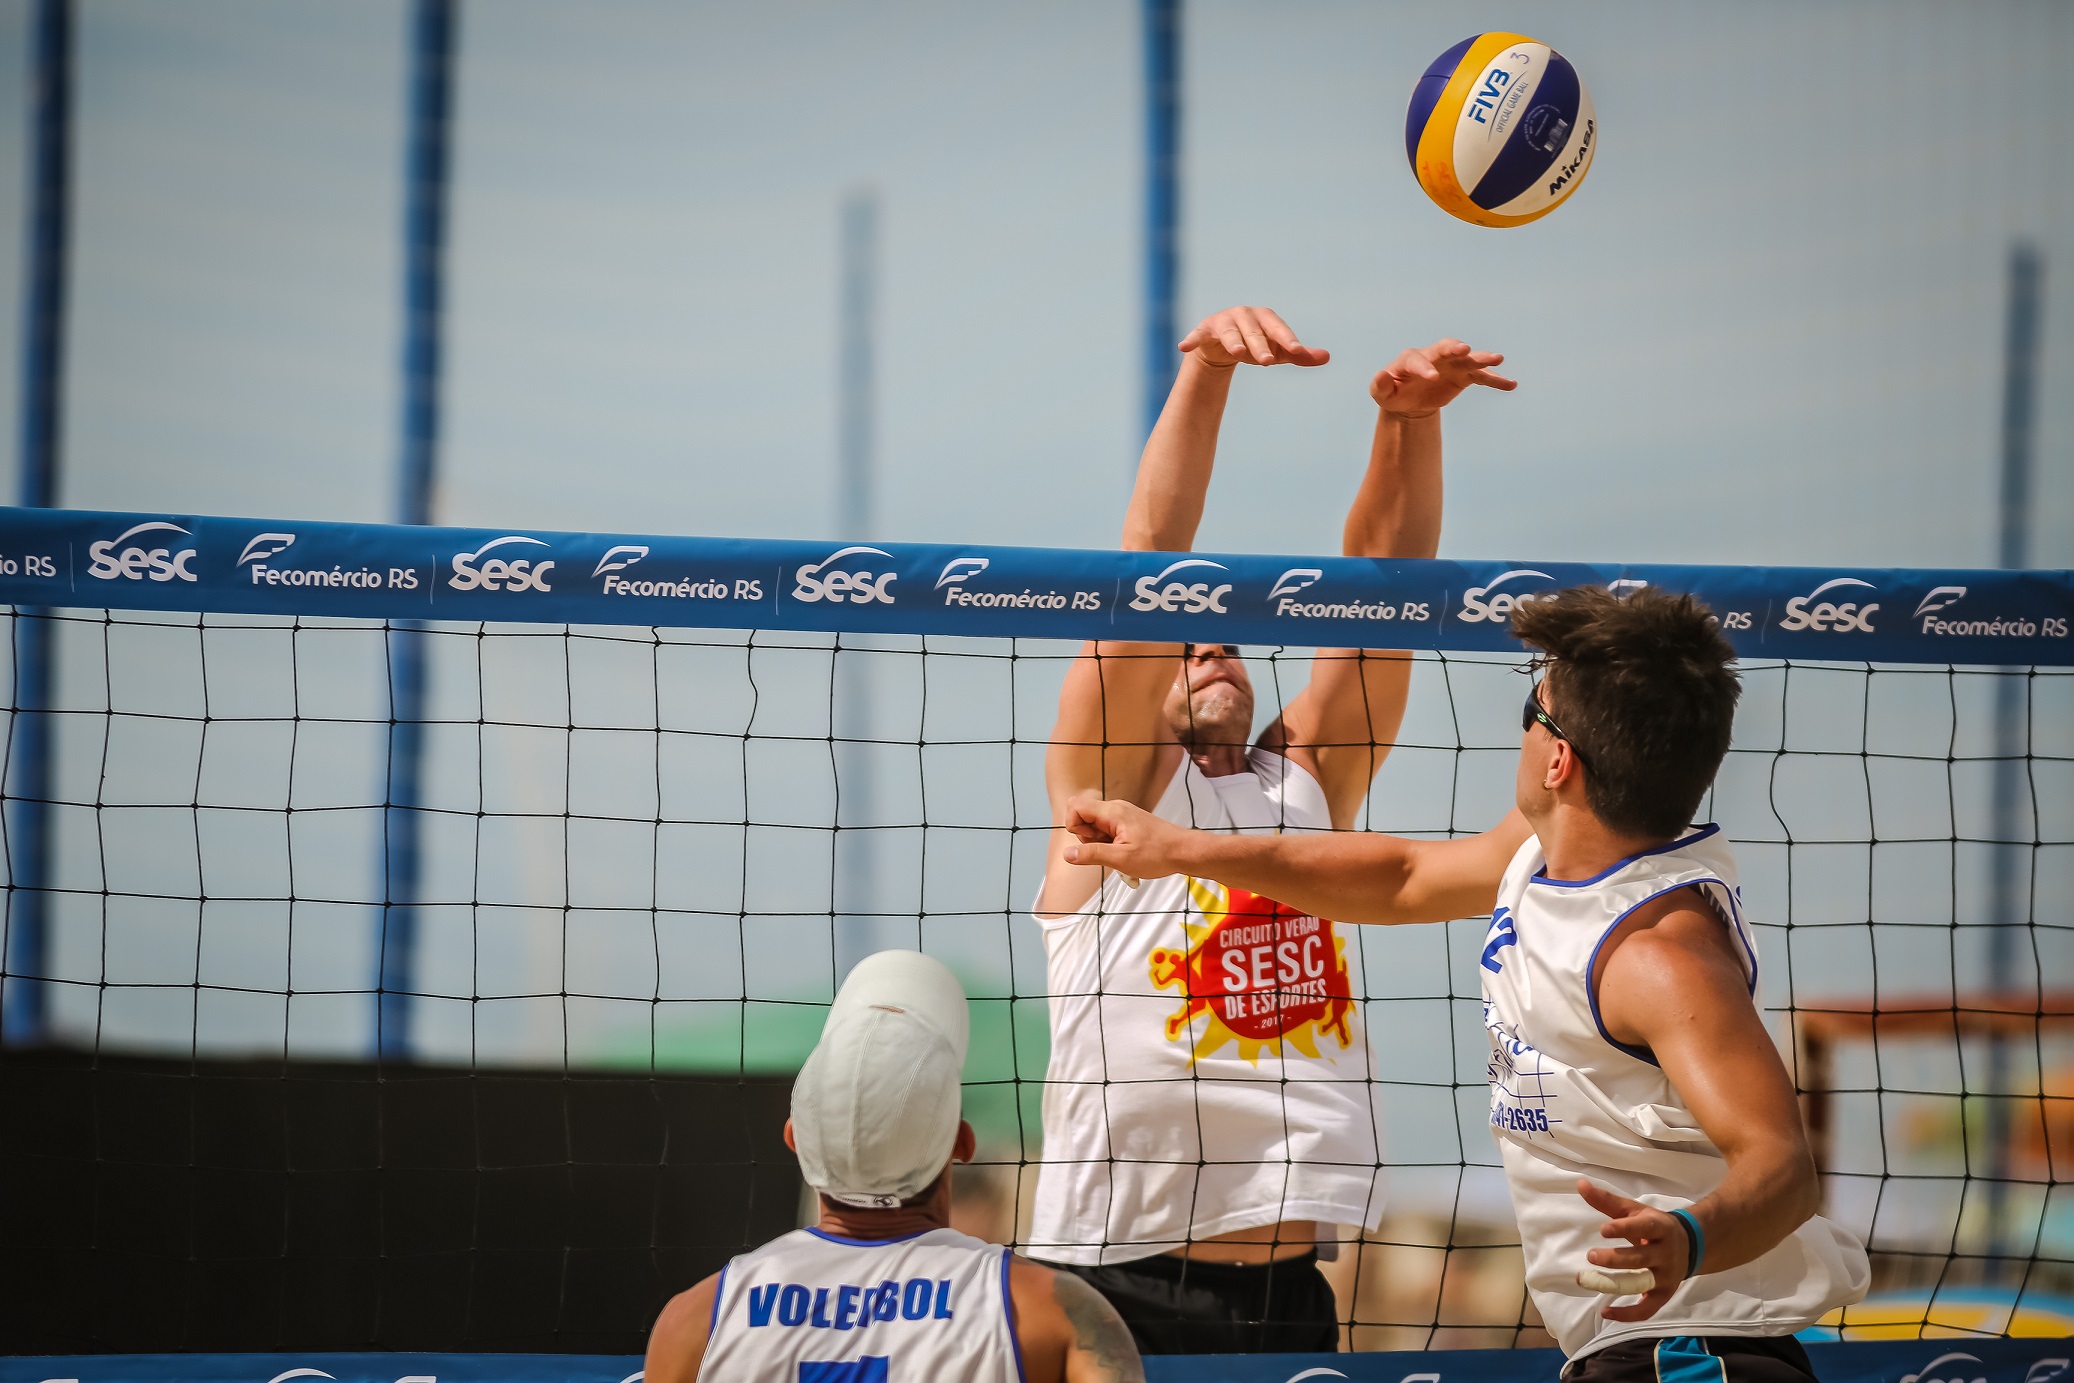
(1532, 714)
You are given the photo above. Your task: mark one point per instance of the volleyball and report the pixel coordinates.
(1500, 130)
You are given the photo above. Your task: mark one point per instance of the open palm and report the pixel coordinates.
(1420, 383)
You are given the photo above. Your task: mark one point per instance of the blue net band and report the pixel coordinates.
(96, 560)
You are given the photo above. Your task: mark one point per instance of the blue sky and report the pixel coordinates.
(1768, 330)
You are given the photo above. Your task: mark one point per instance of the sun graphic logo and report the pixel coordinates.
(1259, 974)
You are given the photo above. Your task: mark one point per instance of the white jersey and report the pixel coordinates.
(811, 1305)
(1567, 1101)
(1208, 1067)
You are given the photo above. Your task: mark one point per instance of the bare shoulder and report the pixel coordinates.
(677, 1343)
(1068, 1330)
(1671, 964)
(1677, 934)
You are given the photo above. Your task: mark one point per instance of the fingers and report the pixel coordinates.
(1494, 381)
(1607, 1203)
(1253, 335)
(1630, 1257)
(1283, 337)
(1090, 818)
(1086, 851)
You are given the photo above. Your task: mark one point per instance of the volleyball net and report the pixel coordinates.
(411, 932)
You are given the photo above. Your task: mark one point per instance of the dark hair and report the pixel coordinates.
(1645, 689)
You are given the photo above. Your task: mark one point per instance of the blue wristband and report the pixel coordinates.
(1696, 1240)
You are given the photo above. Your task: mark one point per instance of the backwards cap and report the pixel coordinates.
(875, 1109)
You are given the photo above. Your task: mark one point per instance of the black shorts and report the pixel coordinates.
(1181, 1306)
(1696, 1359)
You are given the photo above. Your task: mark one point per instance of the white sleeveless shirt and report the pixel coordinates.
(1568, 1101)
(931, 1306)
(1209, 1071)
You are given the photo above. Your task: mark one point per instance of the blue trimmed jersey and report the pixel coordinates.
(1567, 1101)
(813, 1307)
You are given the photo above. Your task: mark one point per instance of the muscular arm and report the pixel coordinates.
(1670, 981)
(677, 1344)
(1353, 877)
(1342, 725)
(1110, 737)
(1068, 1331)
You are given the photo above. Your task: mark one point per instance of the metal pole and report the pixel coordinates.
(24, 1001)
(1162, 20)
(857, 932)
(2009, 875)
(427, 163)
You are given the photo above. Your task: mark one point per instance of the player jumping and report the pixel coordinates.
(1191, 1148)
(1635, 1093)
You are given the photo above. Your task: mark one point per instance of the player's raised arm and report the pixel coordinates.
(1112, 736)
(1341, 726)
(1352, 877)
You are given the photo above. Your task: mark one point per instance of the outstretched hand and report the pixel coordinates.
(1420, 383)
(1122, 836)
(1656, 1241)
(1250, 336)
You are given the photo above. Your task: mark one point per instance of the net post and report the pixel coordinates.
(2009, 872)
(427, 162)
(24, 1003)
(1162, 25)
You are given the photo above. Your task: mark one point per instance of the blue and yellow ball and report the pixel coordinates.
(1500, 130)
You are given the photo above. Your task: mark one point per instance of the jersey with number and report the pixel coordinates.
(1568, 1101)
(1208, 1068)
(813, 1307)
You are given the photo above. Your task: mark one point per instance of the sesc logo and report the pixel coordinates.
(1185, 597)
(500, 573)
(1480, 606)
(131, 556)
(1827, 616)
(859, 587)
(1954, 1366)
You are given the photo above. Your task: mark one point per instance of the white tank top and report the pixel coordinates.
(1568, 1101)
(931, 1306)
(1208, 1066)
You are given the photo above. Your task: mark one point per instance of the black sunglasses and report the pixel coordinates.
(1533, 713)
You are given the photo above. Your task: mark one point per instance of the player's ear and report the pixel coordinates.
(790, 1141)
(963, 1150)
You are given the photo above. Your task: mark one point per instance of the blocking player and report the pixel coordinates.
(1192, 1146)
(882, 1288)
(1635, 1093)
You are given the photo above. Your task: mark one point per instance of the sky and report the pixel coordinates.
(1767, 330)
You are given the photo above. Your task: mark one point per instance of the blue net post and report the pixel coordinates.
(1162, 19)
(2009, 875)
(24, 1003)
(425, 197)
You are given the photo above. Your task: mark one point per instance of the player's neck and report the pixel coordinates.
(1219, 760)
(850, 1222)
(1577, 845)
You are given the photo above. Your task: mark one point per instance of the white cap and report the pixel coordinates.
(875, 1109)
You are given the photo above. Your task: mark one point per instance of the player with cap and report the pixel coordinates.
(882, 1289)
(1195, 1142)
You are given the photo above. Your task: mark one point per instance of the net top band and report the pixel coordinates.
(80, 558)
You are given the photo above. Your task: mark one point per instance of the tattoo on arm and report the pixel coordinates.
(1102, 1345)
